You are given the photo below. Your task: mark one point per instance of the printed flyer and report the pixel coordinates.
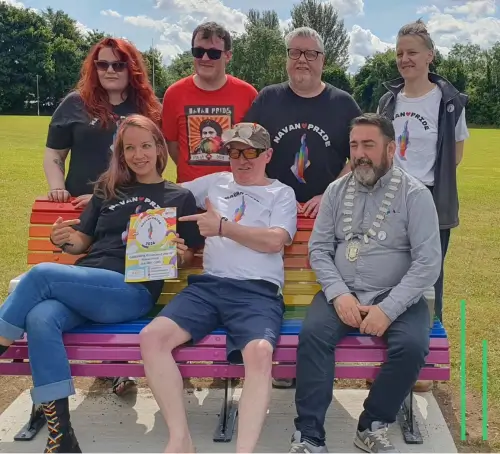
(150, 252)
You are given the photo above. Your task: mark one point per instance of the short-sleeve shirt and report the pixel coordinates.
(267, 206)
(416, 126)
(309, 136)
(108, 221)
(196, 119)
(91, 145)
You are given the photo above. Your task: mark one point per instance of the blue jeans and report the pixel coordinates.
(52, 299)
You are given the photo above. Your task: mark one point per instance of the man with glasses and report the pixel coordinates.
(209, 95)
(249, 219)
(308, 121)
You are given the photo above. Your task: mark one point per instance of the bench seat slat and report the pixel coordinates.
(217, 371)
(37, 245)
(352, 342)
(288, 327)
(34, 258)
(43, 214)
(185, 354)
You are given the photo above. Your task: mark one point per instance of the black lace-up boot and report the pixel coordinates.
(61, 435)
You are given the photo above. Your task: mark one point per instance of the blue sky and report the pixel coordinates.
(371, 24)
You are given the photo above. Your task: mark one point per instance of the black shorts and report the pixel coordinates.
(247, 309)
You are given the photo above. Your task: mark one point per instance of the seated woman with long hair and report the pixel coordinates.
(52, 298)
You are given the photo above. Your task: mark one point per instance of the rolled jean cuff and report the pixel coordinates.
(10, 331)
(52, 391)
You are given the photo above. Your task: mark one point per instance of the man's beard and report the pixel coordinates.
(371, 173)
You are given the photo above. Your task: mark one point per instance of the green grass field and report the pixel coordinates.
(472, 266)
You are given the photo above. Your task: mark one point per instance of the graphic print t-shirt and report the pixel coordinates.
(108, 222)
(267, 206)
(196, 119)
(90, 144)
(416, 126)
(309, 136)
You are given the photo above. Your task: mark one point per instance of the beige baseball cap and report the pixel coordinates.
(251, 134)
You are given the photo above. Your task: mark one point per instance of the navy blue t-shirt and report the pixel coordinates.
(309, 136)
(107, 222)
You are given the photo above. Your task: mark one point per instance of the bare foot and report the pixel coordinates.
(184, 446)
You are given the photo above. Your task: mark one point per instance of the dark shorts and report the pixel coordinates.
(248, 310)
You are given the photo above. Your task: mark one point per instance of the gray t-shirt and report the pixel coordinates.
(91, 145)
(401, 253)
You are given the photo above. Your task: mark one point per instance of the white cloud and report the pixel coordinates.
(84, 30)
(146, 22)
(476, 26)
(14, 3)
(428, 9)
(232, 18)
(111, 13)
(473, 9)
(348, 7)
(363, 43)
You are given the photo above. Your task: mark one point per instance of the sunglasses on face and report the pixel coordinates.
(248, 153)
(103, 65)
(213, 54)
(310, 55)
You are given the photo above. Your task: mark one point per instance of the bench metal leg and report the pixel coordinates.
(33, 426)
(228, 415)
(408, 422)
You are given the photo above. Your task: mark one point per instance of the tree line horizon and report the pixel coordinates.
(48, 48)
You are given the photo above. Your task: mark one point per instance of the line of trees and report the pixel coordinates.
(48, 48)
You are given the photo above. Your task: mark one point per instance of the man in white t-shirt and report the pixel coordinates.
(249, 219)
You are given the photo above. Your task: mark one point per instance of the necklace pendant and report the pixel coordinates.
(352, 250)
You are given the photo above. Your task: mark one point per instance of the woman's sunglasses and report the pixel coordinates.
(213, 54)
(103, 65)
(248, 153)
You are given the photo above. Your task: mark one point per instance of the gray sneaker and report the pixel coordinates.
(304, 446)
(374, 440)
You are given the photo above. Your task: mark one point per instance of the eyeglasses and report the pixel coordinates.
(213, 54)
(248, 153)
(103, 65)
(310, 55)
(243, 132)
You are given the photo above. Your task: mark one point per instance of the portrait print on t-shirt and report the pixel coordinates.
(205, 125)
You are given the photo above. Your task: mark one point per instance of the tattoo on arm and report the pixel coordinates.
(60, 164)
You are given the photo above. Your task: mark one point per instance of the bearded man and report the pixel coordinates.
(375, 249)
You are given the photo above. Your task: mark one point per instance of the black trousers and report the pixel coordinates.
(408, 345)
(444, 236)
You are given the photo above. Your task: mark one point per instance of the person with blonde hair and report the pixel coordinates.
(52, 298)
(428, 114)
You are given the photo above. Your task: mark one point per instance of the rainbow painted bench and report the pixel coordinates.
(97, 350)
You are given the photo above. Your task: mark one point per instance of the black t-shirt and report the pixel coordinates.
(316, 128)
(107, 222)
(91, 145)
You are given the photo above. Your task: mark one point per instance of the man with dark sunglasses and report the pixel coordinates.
(249, 219)
(308, 121)
(208, 96)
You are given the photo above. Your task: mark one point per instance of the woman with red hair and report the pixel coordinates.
(52, 298)
(113, 84)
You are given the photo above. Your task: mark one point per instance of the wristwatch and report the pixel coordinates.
(223, 218)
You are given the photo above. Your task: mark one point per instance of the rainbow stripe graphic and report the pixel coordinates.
(240, 211)
(404, 141)
(301, 160)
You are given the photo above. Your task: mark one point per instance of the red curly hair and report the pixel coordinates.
(140, 91)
